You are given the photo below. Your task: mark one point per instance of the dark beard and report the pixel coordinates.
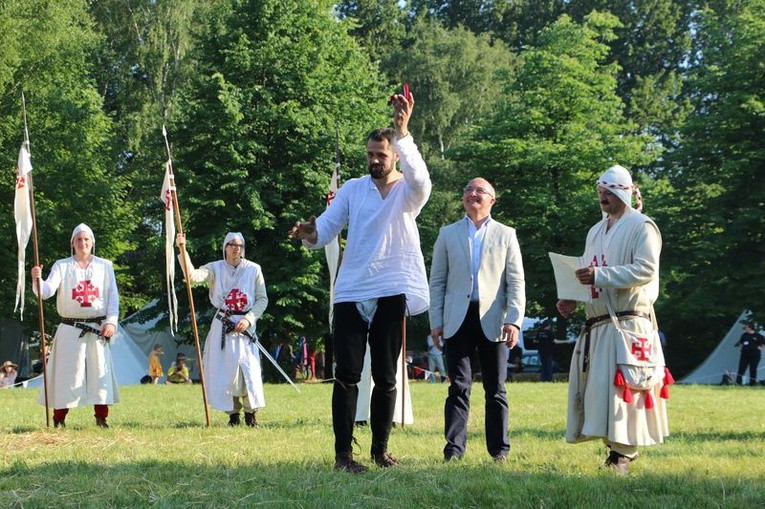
(378, 172)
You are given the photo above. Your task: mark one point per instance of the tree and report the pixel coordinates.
(279, 84)
(453, 75)
(46, 49)
(378, 25)
(558, 125)
(716, 212)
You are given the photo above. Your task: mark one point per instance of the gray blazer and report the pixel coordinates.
(501, 285)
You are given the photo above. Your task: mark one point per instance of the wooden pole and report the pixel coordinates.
(179, 229)
(43, 345)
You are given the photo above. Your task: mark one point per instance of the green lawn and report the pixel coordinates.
(158, 453)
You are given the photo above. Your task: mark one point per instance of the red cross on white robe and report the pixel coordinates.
(85, 293)
(595, 292)
(236, 300)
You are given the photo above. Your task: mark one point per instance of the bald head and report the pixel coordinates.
(477, 198)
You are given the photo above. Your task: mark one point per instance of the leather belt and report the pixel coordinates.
(621, 314)
(72, 321)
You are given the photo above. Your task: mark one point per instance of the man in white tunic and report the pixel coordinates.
(231, 358)
(80, 368)
(381, 278)
(618, 380)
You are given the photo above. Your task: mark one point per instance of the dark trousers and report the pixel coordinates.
(546, 370)
(385, 338)
(493, 361)
(751, 361)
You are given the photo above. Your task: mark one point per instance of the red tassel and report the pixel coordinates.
(619, 379)
(668, 380)
(648, 399)
(627, 396)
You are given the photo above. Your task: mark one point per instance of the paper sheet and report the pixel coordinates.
(568, 286)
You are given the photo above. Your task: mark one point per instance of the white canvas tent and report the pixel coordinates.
(130, 363)
(146, 335)
(724, 358)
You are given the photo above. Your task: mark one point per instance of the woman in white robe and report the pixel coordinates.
(80, 367)
(232, 367)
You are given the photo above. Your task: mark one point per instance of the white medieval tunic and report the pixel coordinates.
(403, 396)
(626, 262)
(81, 369)
(240, 289)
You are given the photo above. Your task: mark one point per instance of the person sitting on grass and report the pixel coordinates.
(178, 372)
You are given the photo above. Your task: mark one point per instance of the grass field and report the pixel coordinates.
(158, 453)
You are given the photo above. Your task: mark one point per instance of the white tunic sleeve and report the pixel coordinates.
(644, 266)
(204, 274)
(113, 303)
(50, 285)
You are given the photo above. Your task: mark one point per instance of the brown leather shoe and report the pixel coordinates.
(385, 460)
(250, 419)
(618, 463)
(101, 422)
(345, 462)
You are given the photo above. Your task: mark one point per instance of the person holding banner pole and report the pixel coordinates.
(381, 278)
(81, 364)
(231, 357)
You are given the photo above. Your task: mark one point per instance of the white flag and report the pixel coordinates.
(23, 213)
(332, 250)
(168, 185)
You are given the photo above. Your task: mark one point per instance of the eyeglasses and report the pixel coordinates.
(478, 190)
(235, 246)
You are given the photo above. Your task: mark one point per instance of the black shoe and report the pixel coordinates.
(250, 419)
(618, 463)
(452, 458)
(360, 423)
(234, 420)
(59, 424)
(101, 422)
(385, 460)
(346, 463)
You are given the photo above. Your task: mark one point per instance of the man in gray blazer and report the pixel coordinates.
(477, 301)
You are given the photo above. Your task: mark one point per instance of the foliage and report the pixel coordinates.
(47, 50)
(452, 74)
(558, 125)
(716, 213)
(279, 86)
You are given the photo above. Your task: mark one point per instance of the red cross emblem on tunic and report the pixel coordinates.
(85, 293)
(236, 300)
(641, 350)
(595, 292)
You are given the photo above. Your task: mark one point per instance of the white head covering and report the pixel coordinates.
(82, 227)
(619, 181)
(231, 236)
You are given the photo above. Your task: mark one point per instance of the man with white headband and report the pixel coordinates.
(618, 379)
(80, 368)
(231, 358)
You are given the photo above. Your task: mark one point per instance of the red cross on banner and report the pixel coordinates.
(641, 350)
(236, 300)
(85, 293)
(21, 182)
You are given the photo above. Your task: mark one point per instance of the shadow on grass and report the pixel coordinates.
(112, 482)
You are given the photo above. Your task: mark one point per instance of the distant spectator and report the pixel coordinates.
(155, 366)
(546, 343)
(8, 375)
(435, 359)
(178, 372)
(750, 344)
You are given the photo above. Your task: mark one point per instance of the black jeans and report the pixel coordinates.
(492, 357)
(748, 360)
(385, 338)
